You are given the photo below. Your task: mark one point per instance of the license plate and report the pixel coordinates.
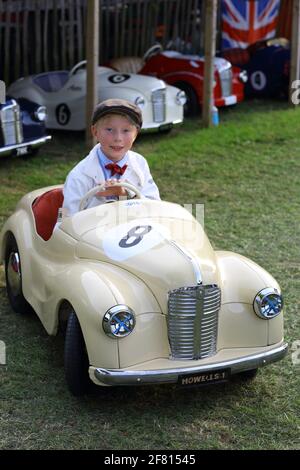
(204, 378)
(22, 151)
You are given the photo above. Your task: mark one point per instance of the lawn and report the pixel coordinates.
(246, 172)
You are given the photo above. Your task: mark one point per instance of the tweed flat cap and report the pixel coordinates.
(118, 106)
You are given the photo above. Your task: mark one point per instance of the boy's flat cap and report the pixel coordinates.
(118, 106)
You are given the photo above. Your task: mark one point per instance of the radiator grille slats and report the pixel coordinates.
(158, 98)
(226, 82)
(11, 124)
(193, 321)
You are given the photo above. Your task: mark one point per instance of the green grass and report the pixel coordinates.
(246, 172)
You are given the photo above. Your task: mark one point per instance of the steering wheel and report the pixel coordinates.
(153, 50)
(101, 187)
(76, 67)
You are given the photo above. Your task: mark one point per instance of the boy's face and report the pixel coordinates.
(115, 134)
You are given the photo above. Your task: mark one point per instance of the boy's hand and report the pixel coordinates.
(112, 191)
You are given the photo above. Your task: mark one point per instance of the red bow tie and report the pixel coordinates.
(115, 168)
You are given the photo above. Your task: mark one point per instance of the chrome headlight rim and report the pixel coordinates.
(181, 98)
(118, 321)
(140, 102)
(40, 113)
(243, 76)
(268, 303)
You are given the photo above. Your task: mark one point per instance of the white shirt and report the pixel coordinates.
(88, 174)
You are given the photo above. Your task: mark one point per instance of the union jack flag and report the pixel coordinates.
(247, 21)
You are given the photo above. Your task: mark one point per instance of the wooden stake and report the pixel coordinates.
(295, 55)
(92, 57)
(209, 55)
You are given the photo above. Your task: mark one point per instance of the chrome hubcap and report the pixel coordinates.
(14, 273)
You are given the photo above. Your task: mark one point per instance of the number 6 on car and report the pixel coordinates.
(142, 303)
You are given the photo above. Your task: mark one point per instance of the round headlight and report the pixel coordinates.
(181, 98)
(118, 321)
(40, 113)
(268, 303)
(140, 102)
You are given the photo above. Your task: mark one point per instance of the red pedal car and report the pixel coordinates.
(187, 73)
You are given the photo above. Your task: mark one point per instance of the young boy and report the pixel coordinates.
(115, 124)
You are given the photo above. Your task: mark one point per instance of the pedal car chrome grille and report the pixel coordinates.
(158, 98)
(193, 321)
(226, 81)
(11, 124)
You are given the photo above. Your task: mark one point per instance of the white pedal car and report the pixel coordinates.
(64, 94)
(145, 297)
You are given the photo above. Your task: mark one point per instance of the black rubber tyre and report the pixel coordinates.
(16, 299)
(248, 374)
(191, 107)
(76, 358)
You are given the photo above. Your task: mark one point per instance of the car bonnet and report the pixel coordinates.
(160, 242)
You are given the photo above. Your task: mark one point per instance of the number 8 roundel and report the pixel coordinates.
(134, 236)
(132, 239)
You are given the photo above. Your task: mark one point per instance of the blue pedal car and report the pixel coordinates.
(267, 63)
(22, 127)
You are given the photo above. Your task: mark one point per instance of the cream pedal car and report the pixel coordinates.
(64, 94)
(145, 298)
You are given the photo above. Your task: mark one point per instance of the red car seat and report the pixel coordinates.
(45, 210)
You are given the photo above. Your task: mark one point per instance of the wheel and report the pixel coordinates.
(13, 276)
(31, 153)
(248, 374)
(191, 107)
(76, 358)
(101, 187)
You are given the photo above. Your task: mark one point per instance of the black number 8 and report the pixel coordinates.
(135, 234)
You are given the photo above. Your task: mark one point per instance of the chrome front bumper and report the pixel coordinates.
(32, 144)
(145, 377)
(161, 127)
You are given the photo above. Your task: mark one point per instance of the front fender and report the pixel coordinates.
(241, 279)
(188, 77)
(94, 287)
(83, 287)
